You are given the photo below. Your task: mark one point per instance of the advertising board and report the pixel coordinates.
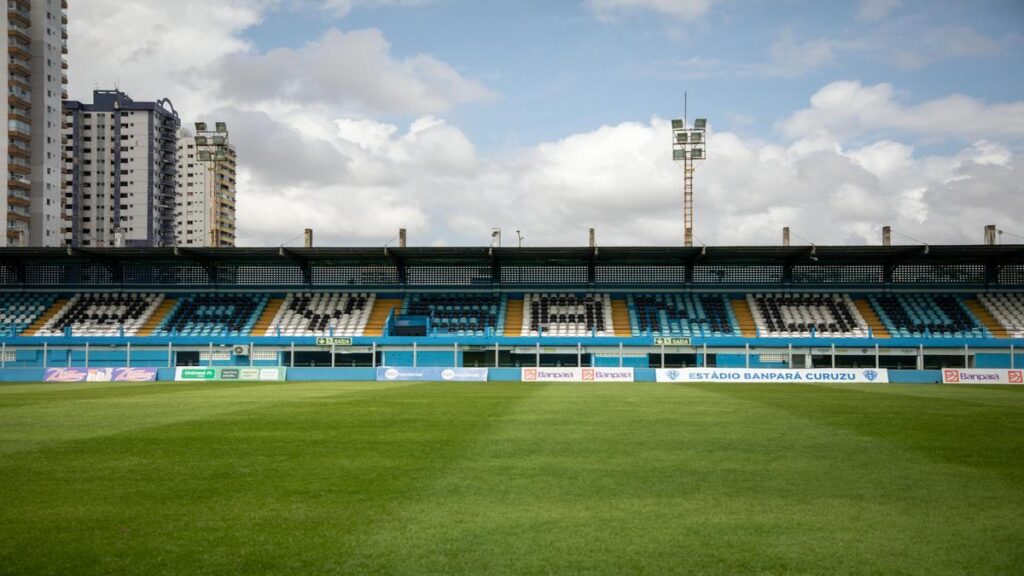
(577, 375)
(431, 374)
(100, 375)
(209, 374)
(981, 376)
(769, 375)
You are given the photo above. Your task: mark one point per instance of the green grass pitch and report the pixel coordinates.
(489, 478)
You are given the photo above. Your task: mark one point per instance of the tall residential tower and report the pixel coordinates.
(119, 171)
(36, 33)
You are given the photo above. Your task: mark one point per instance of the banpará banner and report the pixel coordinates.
(213, 373)
(577, 375)
(981, 376)
(100, 375)
(431, 374)
(773, 375)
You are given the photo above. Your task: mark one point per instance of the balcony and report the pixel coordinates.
(19, 67)
(18, 182)
(19, 15)
(19, 32)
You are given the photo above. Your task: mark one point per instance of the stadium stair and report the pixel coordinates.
(620, 318)
(52, 311)
(744, 318)
(158, 316)
(878, 329)
(381, 310)
(986, 318)
(267, 317)
(514, 317)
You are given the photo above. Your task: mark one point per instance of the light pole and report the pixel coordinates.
(211, 150)
(688, 147)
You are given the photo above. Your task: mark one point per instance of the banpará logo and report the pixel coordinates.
(588, 374)
(1016, 377)
(529, 374)
(952, 375)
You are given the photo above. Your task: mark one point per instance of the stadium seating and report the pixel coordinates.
(567, 315)
(459, 314)
(19, 310)
(1008, 310)
(802, 315)
(214, 315)
(679, 314)
(102, 314)
(927, 315)
(322, 314)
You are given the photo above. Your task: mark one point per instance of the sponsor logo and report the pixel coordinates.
(672, 375)
(1016, 377)
(870, 375)
(447, 374)
(391, 373)
(134, 374)
(229, 373)
(529, 374)
(249, 374)
(198, 373)
(65, 375)
(588, 375)
(951, 376)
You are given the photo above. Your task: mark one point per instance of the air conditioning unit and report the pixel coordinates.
(240, 350)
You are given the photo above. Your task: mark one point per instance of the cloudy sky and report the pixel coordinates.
(451, 117)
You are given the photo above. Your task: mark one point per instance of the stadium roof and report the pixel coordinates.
(649, 256)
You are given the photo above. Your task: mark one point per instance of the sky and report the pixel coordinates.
(453, 117)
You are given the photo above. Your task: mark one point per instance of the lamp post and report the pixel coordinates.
(211, 150)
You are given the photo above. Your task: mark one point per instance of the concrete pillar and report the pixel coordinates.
(308, 233)
(990, 235)
(785, 236)
(401, 237)
(886, 235)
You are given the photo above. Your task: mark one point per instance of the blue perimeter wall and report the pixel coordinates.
(494, 375)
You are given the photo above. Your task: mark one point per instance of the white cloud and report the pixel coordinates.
(872, 10)
(147, 48)
(353, 72)
(683, 9)
(343, 7)
(848, 108)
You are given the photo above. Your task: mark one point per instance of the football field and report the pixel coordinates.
(490, 478)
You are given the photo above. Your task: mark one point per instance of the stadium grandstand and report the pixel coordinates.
(915, 308)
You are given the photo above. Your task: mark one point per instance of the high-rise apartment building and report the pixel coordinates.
(36, 79)
(120, 158)
(205, 207)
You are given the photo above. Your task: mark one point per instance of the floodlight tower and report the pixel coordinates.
(688, 148)
(212, 150)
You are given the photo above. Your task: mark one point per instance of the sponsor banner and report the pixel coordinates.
(769, 375)
(981, 376)
(134, 374)
(577, 375)
(432, 374)
(209, 374)
(100, 375)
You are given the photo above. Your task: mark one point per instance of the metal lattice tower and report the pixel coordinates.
(688, 148)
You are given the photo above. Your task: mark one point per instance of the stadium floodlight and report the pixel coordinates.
(688, 146)
(212, 148)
